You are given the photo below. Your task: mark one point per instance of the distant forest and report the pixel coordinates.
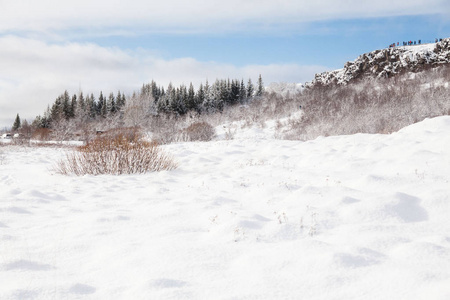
(151, 100)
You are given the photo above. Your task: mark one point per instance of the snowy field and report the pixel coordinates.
(348, 217)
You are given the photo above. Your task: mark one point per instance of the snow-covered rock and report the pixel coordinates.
(388, 62)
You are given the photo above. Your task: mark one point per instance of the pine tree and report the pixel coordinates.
(260, 89)
(91, 106)
(219, 92)
(81, 105)
(120, 100)
(101, 105)
(250, 89)
(242, 92)
(111, 104)
(191, 104)
(57, 110)
(16, 126)
(178, 98)
(156, 91)
(207, 103)
(66, 105)
(199, 98)
(46, 119)
(73, 106)
(235, 92)
(165, 102)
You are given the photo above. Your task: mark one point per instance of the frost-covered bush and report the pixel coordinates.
(200, 131)
(116, 154)
(372, 106)
(166, 129)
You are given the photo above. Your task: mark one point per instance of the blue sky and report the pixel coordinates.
(49, 46)
(330, 43)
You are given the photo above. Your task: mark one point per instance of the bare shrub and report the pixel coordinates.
(42, 134)
(129, 134)
(166, 128)
(116, 154)
(371, 106)
(200, 131)
(20, 141)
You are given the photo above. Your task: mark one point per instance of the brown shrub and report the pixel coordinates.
(200, 131)
(116, 154)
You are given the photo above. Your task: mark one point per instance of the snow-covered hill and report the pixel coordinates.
(388, 62)
(346, 217)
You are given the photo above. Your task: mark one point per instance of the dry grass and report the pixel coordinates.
(116, 154)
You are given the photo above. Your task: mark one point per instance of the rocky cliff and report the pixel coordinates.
(387, 63)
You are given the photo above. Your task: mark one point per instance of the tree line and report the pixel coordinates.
(151, 100)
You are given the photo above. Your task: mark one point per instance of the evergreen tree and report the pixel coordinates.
(16, 125)
(164, 105)
(111, 104)
(73, 106)
(156, 91)
(101, 105)
(91, 106)
(242, 92)
(66, 105)
(81, 104)
(250, 89)
(191, 104)
(223, 95)
(57, 110)
(234, 93)
(199, 98)
(217, 94)
(120, 100)
(146, 89)
(178, 100)
(207, 103)
(260, 89)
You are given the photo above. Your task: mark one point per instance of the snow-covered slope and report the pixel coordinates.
(387, 62)
(348, 217)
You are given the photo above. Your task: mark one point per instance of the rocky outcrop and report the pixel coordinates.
(388, 62)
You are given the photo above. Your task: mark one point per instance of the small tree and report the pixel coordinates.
(16, 124)
(260, 89)
(250, 88)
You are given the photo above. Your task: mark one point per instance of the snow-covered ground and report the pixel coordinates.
(348, 217)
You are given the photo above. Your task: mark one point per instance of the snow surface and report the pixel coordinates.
(349, 217)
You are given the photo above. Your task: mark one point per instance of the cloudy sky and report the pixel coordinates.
(48, 46)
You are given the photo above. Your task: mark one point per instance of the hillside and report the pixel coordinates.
(388, 62)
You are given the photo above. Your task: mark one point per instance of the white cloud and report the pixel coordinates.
(197, 15)
(34, 72)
